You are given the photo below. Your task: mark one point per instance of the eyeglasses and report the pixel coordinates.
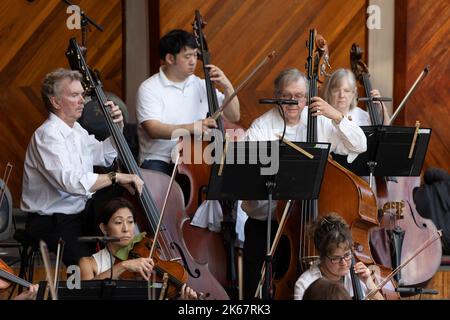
(288, 96)
(338, 259)
(336, 92)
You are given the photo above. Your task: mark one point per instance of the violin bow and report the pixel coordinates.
(163, 209)
(276, 240)
(422, 75)
(59, 254)
(401, 266)
(6, 175)
(45, 257)
(219, 112)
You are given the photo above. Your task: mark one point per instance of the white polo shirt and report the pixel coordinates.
(169, 102)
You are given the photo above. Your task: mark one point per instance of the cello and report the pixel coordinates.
(359, 209)
(170, 240)
(402, 229)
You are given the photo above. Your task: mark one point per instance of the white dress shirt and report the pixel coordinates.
(58, 170)
(359, 116)
(346, 138)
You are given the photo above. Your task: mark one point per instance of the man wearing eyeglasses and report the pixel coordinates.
(345, 137)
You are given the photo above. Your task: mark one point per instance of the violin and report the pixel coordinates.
(7, 277)
(177, 275)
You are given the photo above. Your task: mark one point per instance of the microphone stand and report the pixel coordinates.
(85, 20)
(105, 243)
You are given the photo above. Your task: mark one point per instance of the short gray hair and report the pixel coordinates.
(335, 81)
(287, 76)
(52, 81)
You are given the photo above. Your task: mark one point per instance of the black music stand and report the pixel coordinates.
(387, 155)
(387, 152)
(104, 290)
(244, 175)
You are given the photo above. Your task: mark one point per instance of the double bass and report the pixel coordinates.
(341, 191)
(218, 248)
(402, 230)
(171, 244)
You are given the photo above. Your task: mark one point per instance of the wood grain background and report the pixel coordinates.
(422, 37)
(34, 38)
(241, 33)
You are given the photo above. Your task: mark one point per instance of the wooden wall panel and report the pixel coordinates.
(422, 39)
(240, 33)
(34, 38)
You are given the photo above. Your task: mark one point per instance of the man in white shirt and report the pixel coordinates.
(345, 138)
(175, 99)
(58, 175)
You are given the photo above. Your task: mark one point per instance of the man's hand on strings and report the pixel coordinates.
(116, 113)
(131, 182)
(219, 77)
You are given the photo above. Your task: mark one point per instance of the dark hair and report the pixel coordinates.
(174, 41)
(112, 206)
(329, 232)
(51, 85)
(325, 289)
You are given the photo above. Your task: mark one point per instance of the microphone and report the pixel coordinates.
(416, 290)
(277, 101)
(98, 239)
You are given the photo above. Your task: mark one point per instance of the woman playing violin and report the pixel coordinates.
(28, 294)
(118, 220)
(333, 241)
(340, 92)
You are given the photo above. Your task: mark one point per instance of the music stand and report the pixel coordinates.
(387, 154)
(241, 176)
(104, 290)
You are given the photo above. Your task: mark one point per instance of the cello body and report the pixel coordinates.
(416, 231)
(350, 196)
(175, 221)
